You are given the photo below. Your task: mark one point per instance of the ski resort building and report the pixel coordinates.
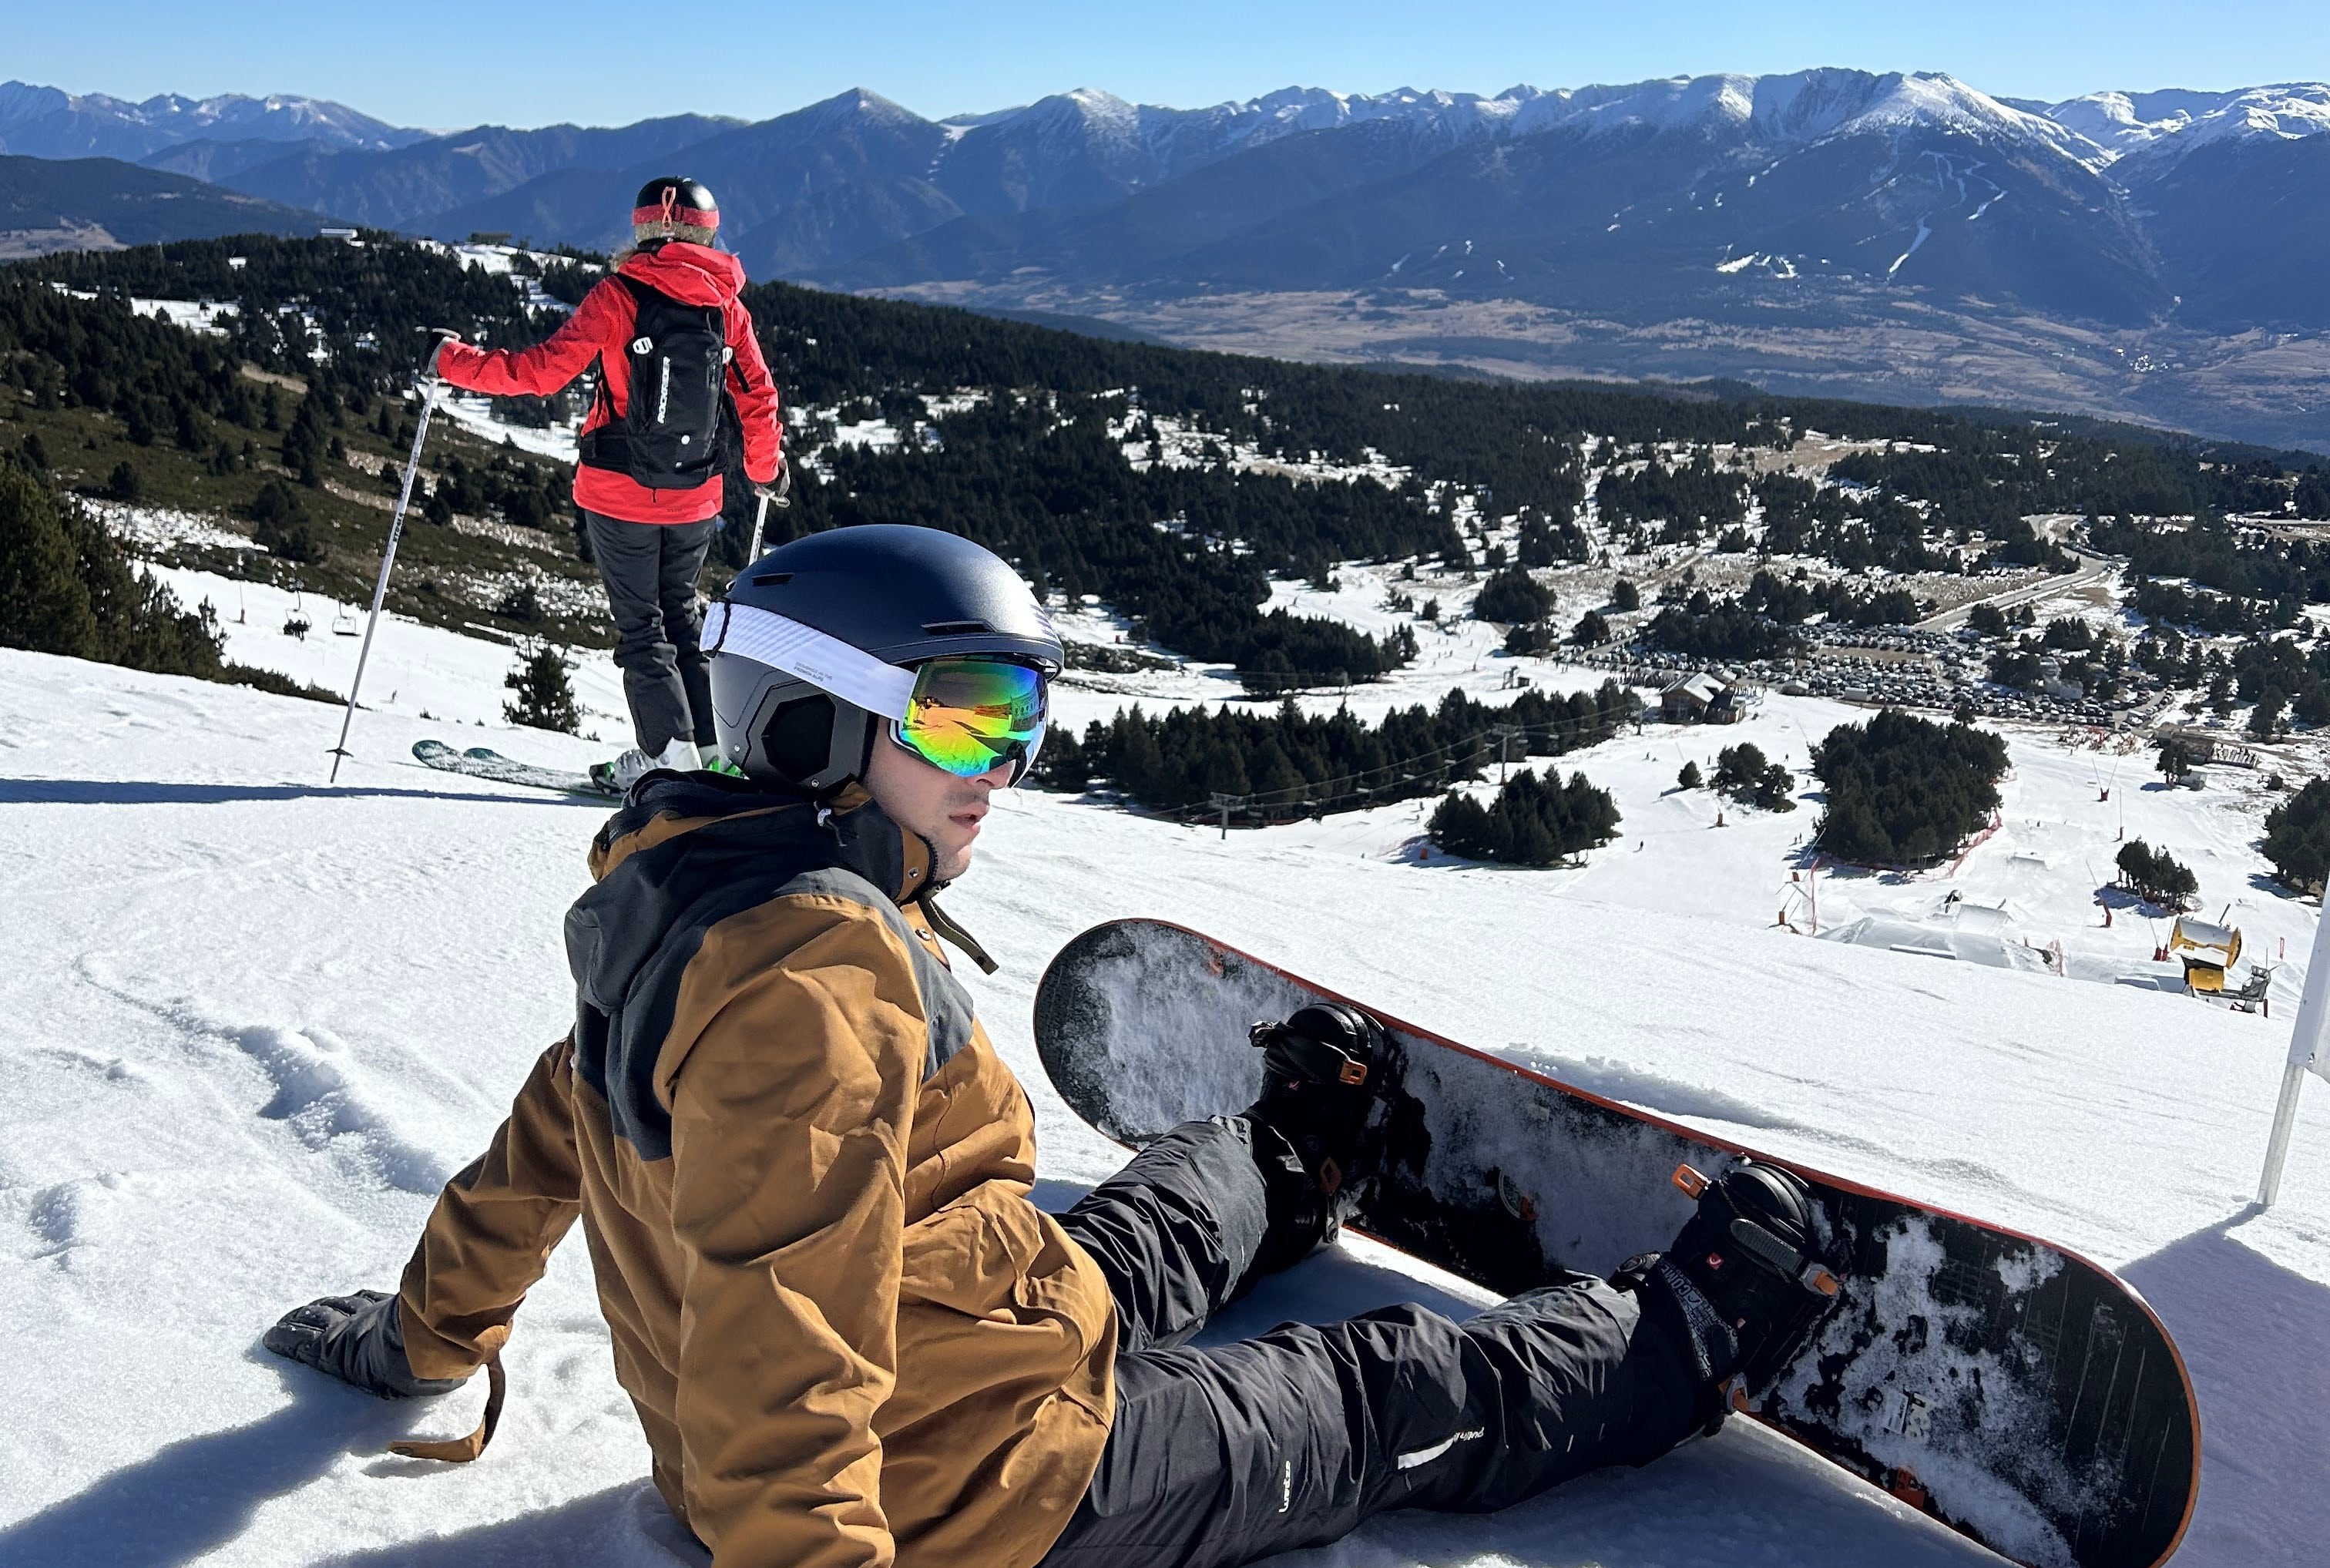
(2207, 746)
(1699, 699)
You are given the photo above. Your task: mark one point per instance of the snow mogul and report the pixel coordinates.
(804, 1174)
(675, 348)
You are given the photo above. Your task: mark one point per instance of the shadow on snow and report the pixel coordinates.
(149, 792)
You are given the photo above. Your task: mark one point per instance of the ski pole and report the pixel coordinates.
(782, 491)
(387, 560)
(760, 518)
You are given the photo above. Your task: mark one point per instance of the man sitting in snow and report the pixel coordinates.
(803, 1173)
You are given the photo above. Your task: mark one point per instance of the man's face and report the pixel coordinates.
(931, 801)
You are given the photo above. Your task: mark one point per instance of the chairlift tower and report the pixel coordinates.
(1504, 735)
(1226, 803)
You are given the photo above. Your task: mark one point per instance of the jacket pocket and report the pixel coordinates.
(992, 1254)
(971, 1254)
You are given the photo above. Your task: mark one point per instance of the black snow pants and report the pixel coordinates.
(1224, 1454)
(650, 571)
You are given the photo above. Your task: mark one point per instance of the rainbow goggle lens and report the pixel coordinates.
(968, 716)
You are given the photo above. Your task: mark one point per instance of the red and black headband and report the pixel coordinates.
(669, 210)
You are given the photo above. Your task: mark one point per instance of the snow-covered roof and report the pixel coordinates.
(1705, 687)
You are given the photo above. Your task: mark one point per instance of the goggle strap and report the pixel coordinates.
(826, 662)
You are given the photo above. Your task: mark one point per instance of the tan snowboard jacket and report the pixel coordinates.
(803, 1173)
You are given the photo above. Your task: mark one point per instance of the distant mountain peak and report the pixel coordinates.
(2170, 123)
(48, 122)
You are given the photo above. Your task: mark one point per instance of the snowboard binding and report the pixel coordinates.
(1746, 1282)
(1322, 1072)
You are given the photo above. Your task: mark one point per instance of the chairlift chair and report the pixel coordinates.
(344, 622)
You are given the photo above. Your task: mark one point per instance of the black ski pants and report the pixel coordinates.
(1224, 1454)
(650, 571)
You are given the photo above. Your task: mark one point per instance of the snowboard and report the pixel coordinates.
(2015, 1391)
(479, 762)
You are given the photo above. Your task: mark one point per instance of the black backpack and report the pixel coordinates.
(671, 436)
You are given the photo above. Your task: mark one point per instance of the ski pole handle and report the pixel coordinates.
(445, 335)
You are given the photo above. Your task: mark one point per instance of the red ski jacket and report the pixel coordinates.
(598, 330)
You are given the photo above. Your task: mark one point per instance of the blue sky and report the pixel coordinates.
(448, 64)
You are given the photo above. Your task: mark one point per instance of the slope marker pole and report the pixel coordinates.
(2305, 1050)
(387, 560)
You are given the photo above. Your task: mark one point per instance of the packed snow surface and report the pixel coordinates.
(255, 1021)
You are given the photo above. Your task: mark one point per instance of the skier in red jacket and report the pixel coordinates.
(673, 343)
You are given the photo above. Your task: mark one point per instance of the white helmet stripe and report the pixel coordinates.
(826, 662)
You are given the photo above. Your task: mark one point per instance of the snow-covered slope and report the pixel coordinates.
(255, 1021)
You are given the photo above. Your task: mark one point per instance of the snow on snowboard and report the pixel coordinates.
(478, 763)
(2017, 1393)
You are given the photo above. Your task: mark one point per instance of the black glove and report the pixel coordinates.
(445, 335)
(358, 1340)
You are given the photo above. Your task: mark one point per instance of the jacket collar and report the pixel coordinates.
(691, 274)
(850, 830)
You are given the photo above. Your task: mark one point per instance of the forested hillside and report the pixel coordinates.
(1174, 486)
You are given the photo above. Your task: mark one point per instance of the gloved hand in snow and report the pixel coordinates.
(358, 1340)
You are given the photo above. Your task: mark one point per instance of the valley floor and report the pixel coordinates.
(255, 1021)
(1870, 342)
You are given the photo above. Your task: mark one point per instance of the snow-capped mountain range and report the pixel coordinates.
(1135, 146)
(1772, 227)
(48, 123)
(2118, 124)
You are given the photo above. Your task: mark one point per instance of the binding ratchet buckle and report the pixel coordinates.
(1765, 1247)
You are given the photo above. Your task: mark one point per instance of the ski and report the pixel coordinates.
(482, 762)
(2011, 1389)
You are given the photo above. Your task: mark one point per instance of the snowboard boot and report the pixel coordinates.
(1745, 1283)
(1322, 1075)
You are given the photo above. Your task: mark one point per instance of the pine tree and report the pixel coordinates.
(280, 524)
(44, 604)
(545, 696)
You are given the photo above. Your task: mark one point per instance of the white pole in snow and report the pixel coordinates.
(387, 560)
(2305, 1050)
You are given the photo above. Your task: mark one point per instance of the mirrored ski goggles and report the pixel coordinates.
(969, 715)
(961, 714)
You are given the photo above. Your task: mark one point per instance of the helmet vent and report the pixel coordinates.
(955, 628)
(773, 579)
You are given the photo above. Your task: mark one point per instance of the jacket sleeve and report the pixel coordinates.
(790, 1114)
(755, 391)
(605, 317)
(492, 1232)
